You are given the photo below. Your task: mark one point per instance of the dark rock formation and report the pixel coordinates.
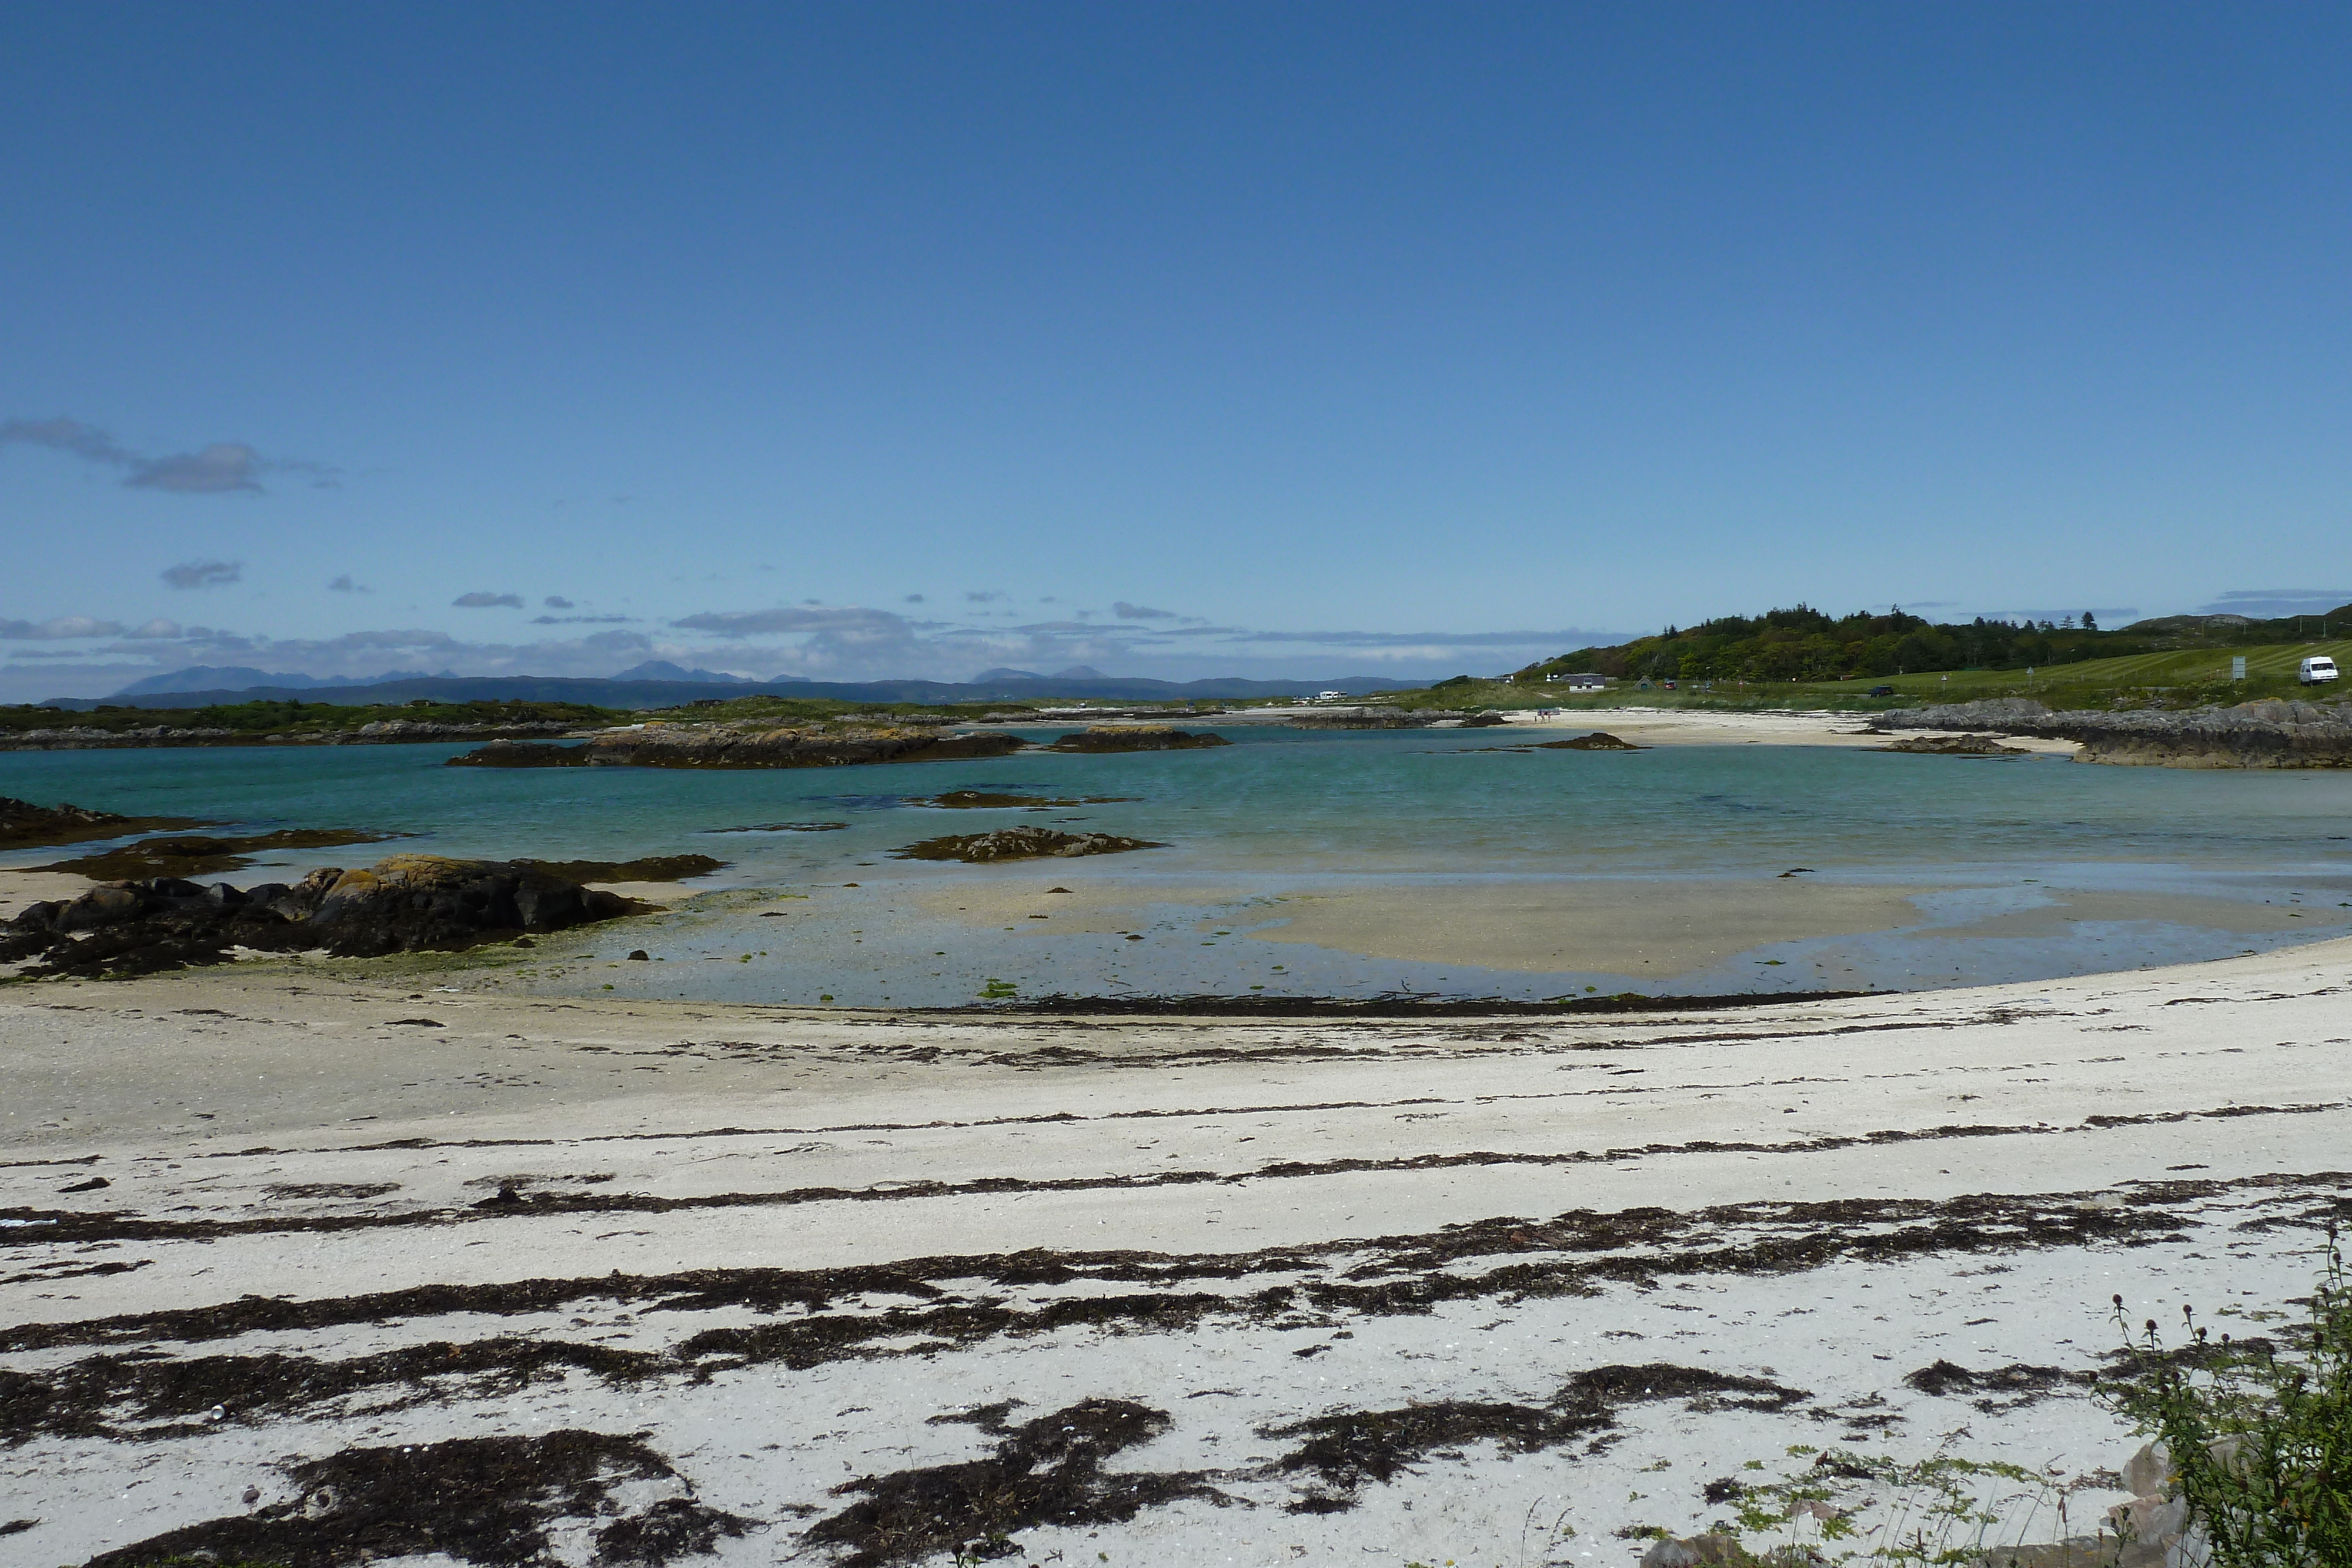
(728, 746)
(969, 800)
(1020, 844)
(404, 903)
(1367, 720)
(1134, 737)
(2268, 734)
(381, 732)
(651, 868)
(521, 754)
(1598, 740)
(24, 826)
(1955, 745)
(184, 857)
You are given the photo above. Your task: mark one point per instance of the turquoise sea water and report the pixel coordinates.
(1286, 810)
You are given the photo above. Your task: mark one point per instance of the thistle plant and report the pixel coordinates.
(2259, 1440)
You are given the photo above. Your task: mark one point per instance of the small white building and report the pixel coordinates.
(1578, 683)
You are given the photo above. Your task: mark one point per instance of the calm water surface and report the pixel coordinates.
(1290, 809)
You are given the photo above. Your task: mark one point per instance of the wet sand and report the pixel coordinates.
(1247, 1293)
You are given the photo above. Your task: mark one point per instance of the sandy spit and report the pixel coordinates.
(1249, 1293)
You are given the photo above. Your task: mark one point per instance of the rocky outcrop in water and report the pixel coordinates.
(1368, 720)
(404, 903)
(732, 745)
(24, 826)
(382, 732)
(1109, 737)
(1020, 844)
(1598, 740)
(2267, 734)
(186, 857)
(1955, 745)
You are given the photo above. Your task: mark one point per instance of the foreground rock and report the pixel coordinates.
(1134, 737)
(1020, 844)
(2267, 734)
(404, 903)
(728, 746)
(24, 826)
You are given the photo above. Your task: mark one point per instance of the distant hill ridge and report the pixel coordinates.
(619, 691)
(225, 677)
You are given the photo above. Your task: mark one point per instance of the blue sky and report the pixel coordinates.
(1296, 340)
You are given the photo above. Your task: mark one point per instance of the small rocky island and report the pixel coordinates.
(1113, 737)
(1598, 740)
(1020, 844)
(24, 826)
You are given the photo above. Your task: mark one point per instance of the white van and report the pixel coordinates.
(2314, 671)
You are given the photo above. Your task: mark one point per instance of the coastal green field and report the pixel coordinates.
(2181, 677)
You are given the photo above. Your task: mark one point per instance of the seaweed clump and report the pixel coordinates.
(486, 1500)
(1047, 1471)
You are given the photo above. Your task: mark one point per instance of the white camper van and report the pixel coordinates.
(2314, 671)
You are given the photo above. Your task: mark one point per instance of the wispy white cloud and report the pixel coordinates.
(487, 601)
(220, 469)
(205, 573)
(63, 626)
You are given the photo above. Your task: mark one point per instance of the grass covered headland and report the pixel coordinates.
(1802, 657)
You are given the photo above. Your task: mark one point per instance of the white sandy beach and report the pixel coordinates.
(1347, 1287)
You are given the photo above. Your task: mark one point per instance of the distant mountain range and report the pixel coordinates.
(657, 683)
(231, 677)
(663, 670)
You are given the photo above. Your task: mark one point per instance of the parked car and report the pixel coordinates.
(2317, 669)
(1881, 692)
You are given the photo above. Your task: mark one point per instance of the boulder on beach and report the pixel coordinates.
(403, 904)
(1020, 844)
(1104, 738)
